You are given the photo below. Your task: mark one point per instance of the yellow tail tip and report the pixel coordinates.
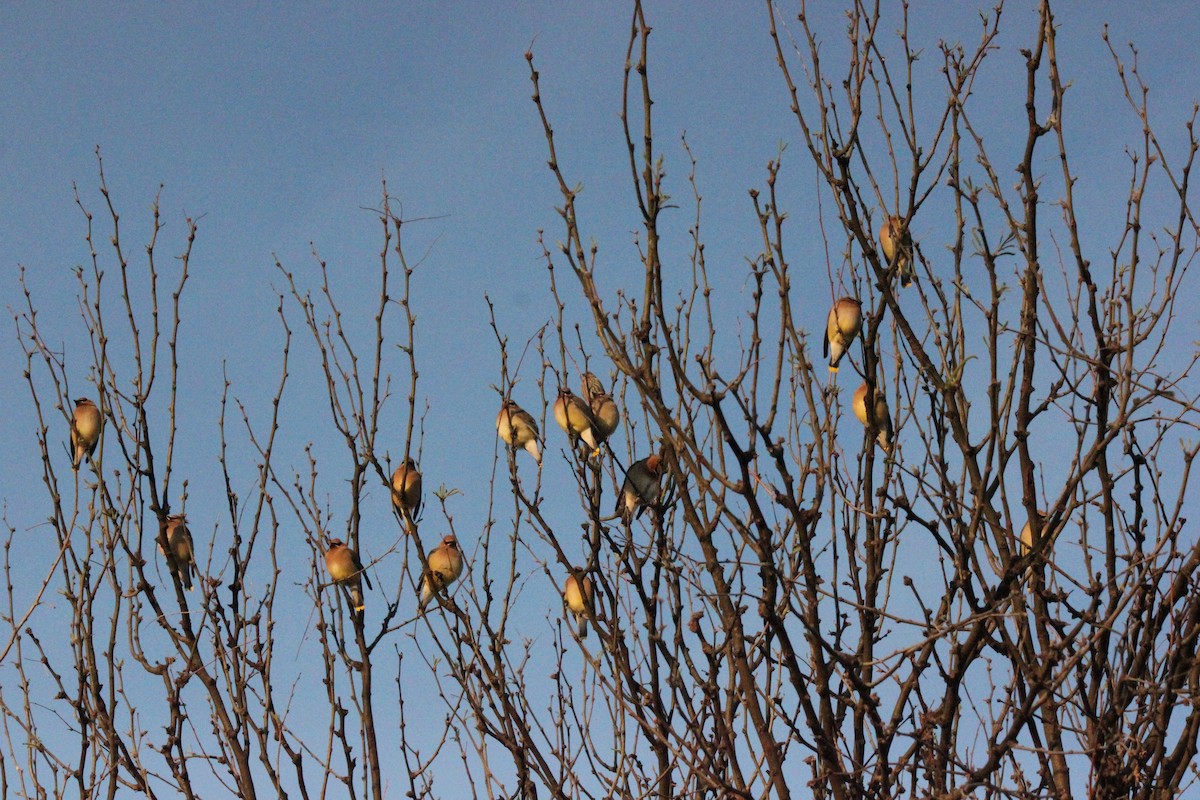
(833, 368)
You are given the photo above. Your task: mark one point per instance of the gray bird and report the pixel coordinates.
(642, 488)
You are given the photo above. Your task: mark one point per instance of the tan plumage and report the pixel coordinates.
(890, 233)
(590, 386)
(517, 428)
(845, 321)
(406, 489)
(574, 417)
(880, 419)
(604, 409)
(642, 488)
(605, 414)
(442, 567)
(1025, 542)
(346, 570)
(578, 594)
(182, 559)
(85, 430)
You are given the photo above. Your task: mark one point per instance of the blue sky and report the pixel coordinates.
(275, 127)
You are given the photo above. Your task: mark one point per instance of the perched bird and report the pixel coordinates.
(845, 321)
(642, 487)
(590, 386)
(574, 417)
(179, 541)
(345, 569)
(891, 234)
(517, 427)
(85, 430)
(605, 414)
(1025, 544)
(406, 489)
(604, 409)
(577, 592)
(442, 567)
(880, 419)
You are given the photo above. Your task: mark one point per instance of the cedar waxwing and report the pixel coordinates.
(606, 415)
(406, 489)
(179, 540)
(577, 592)
(642, 487)
(517, 427)
(882, 420)
(590, 386)
(345, 568)
(85, 430)
(889, 233)
(574, 417)
(845, 321)
(604, 409)
(442, 568)
(1025, 544)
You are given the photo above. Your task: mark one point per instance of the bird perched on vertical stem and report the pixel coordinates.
(85, 430)
(517, 428)
(406, 489)
(642, 487)
(443, 565)
(346, 570)
(1025, 542)
(604, 409)
(879, 419)
(577, 592)
(897, 246)
(179, 543)
(845, 321)
(574, 417)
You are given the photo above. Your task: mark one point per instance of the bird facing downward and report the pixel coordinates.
(891, 233)
(880, 418)
(578, 592)
(406, 489)
(179, 542)
(442, 567)
(517, 428)
(85, 431)
(346, 570)
(642, 487)
(574, 417)
(845, 321)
